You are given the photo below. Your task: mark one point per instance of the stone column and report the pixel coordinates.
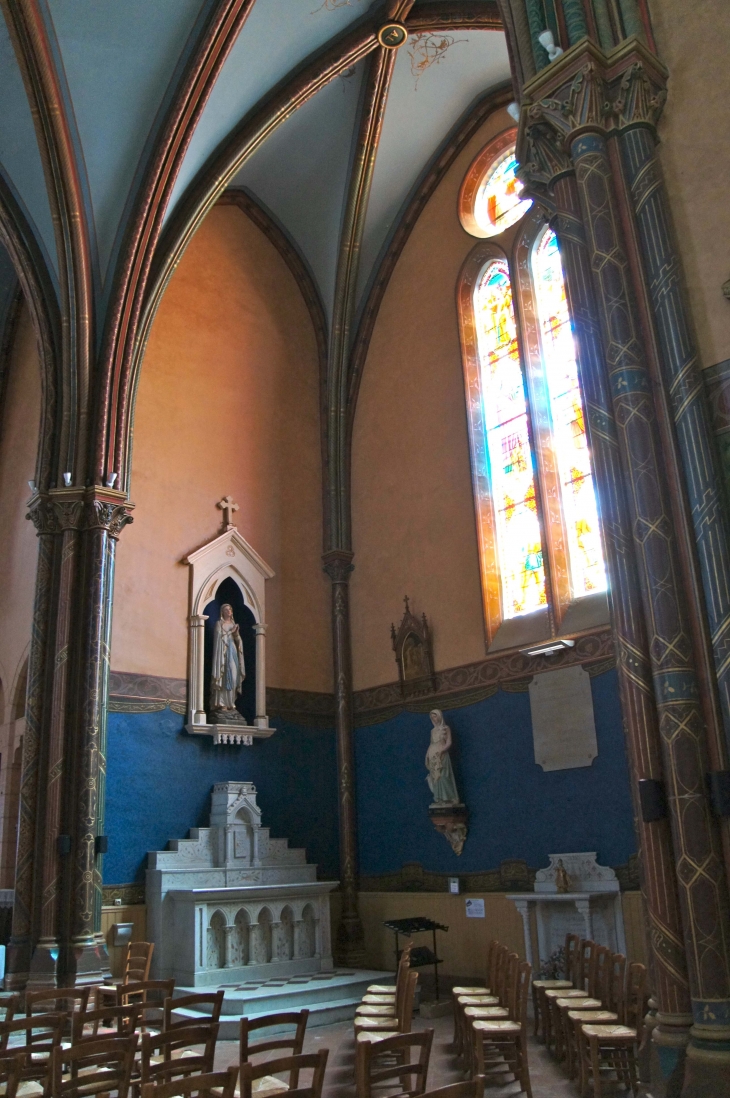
(682, 379)
(350, 946)
(197, 667)
(58, 931)
(667, 960)
(260, 720)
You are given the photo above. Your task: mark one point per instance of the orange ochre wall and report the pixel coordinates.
(19, 429)
(692, 41)
(414, 530)
(228, 402)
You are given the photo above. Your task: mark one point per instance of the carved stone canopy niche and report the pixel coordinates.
(227, 557)
(413, 653)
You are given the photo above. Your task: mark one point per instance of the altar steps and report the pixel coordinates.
(329, 997)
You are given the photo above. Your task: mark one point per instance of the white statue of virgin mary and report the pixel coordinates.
(228, 672)
(440, 778)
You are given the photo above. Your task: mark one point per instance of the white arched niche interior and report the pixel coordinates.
(229, 556)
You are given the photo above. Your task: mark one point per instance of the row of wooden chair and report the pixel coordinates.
(592, 1019)
(387, 1010)
(490, 1022)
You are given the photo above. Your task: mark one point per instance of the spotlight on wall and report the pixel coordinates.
(67, 479)
(111, 478)
(31, 485)
(513, 110)
(548, 648)
(547, 41)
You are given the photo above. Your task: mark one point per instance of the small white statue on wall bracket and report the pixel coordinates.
(448, 814)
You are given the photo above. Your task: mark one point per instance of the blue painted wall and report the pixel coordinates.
(159, 780)
(516, 809)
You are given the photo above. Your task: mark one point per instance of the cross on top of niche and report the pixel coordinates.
(228, 507)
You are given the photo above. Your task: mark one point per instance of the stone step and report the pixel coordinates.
(330, 997)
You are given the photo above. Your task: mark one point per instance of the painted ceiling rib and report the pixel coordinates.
(36, 60)
(115, 391)
(360, 182)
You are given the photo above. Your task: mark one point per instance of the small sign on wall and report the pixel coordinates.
(563, 726)
(475, 909)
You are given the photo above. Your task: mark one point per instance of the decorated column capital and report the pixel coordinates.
(585, 91)
(95, 508)
(338, 565)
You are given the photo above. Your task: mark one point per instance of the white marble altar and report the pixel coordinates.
(230, 904)
(592, 908)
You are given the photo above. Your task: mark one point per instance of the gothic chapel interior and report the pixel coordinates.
(365, 484)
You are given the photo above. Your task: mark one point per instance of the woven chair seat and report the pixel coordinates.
(609, 1032)
(378, 999)
(487, 1012)
(580, 1004)
(498, 1026)
(369, 1035)
(565, 993)
(478, 1000)
(599, 1017)
(381, 989)
(372, 1011)
(551, 983)
(374, 1023)
(470, 991)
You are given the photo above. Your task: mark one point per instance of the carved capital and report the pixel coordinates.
(338, 565)
(585, 90)
(63, 509)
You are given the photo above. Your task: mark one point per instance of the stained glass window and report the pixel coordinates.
(519, 544)
(498, 203)
(569, 439)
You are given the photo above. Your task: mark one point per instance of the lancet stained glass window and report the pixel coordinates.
(519, 544)
(569, 439)
(498, 203)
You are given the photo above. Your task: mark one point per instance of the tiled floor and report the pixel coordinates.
(548, 1081)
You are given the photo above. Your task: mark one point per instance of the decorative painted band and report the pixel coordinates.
(456, 687)
(513, 875)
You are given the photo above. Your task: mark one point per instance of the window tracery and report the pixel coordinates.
(537, 514)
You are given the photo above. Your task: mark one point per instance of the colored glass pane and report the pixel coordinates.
(569, 437)
(519, 545)
(498, 203)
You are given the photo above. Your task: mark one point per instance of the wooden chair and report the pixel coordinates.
(150, 996)
(505, 1008)
(367, 1029)
(170, 1055)
(212, 999)
(93, 1067)
(11, 1067)
(584, 964)
(390, 989)
(595, 998)
(386, 1000)
(293, 1043)
(506, 1038)
(475, 996)
(612, 1010)
(43, 1034)
(137, 962)
(540, 986)
(58, 1000)
(216, 1082)
(316, 1062)
(9, 1006)
(470, 1088)
(612, 1047)
(115, 1021)
(371, 1067)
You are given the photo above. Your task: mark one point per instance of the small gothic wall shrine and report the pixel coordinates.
(227, 678)
(413, 653)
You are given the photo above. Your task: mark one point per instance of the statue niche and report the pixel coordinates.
(230, 657)
(413, 653)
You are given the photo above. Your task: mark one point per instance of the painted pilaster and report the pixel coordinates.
(349, 947)
(667, 961)
(577, 102)
(57, 929)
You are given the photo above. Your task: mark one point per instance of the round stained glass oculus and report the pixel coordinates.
(498, 202)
